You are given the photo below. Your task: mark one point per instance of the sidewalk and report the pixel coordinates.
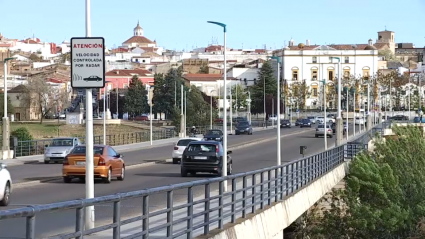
(122, 148)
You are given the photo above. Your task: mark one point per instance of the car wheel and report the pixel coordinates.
(236, 133)
(330, 136)
(122, 176)
(6, 196)
(317, 136)
(175, 160)
(108, 177)
(46, 161)
(183, 172)
(67, 179)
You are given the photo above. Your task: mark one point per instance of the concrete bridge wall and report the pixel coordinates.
(270, 222)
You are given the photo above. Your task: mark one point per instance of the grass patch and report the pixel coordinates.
(52, 130)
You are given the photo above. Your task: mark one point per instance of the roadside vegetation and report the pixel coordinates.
(384, 195)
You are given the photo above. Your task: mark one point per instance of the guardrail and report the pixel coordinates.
(35, 147)
(248, 192)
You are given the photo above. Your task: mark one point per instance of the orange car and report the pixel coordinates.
(107, 164)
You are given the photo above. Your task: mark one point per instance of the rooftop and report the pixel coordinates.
(205, 77)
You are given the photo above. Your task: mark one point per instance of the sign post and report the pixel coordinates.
(88, 71)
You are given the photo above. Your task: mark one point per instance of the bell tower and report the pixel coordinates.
(138, 30)
(387, 37)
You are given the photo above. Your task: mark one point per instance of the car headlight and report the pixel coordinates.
(247, 129)
(217, 138)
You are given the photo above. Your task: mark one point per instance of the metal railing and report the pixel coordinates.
(206, 207)
(35, 147)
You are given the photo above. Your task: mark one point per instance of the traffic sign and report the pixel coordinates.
(88, 62)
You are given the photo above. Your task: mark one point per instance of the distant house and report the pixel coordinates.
(25, 109)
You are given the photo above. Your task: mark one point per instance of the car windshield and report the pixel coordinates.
(320, 117)
(82, 150)
(202, 148)
(285, 121)
(310, 117)
(243, 124)
(61, 142)
(306, 121)
(184, 142)
(213, 132)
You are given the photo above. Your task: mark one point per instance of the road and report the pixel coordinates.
(252, 157)
(41, 171)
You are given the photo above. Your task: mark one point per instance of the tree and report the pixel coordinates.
(10, 109)
(204, 69)
(388, 55)
(34, 57)
(42, 96)
(383, 196)
(113, 100)
(266, 84)
(239, 95)
(165, 88)
(136, 101)
(299, 92)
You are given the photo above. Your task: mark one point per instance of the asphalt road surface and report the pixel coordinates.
(252, 157)
(41, 171)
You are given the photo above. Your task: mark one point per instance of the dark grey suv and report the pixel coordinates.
(204, 156)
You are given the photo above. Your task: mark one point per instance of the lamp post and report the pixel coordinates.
(249, 106)
(346, 117)
(339, 118)
(211, 106)
(182, 123)
(264, 102)
(224, 166)
(150, 113)
(278, 109)
(104, 113)
(325, 137)
(5, 127)
(89, 210)
(354, 111)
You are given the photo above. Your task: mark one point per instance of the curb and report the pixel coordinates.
(159, 161)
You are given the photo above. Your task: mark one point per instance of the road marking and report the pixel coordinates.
(162, 161)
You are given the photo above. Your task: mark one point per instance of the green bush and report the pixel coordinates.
(22, 134)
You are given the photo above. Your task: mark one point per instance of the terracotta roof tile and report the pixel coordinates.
(306, 48)
(205, 77)
(121, 73)
(138, 39)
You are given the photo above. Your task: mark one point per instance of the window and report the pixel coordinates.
(346, 73)
(184, 142)
(294, 74)
(347, 59)
(125, 86)
(202, 148)
(331, 75)
(314, 75)
(82, 150)
(315, 91)
(314, 60)
(366, 74)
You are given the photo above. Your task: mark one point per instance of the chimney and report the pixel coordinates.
(370, 42)
(307, 43)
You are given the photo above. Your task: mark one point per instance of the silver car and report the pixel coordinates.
(321, 131)
(59, 149)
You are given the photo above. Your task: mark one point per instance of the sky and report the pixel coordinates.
(182, 24)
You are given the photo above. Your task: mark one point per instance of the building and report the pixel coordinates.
(246, 73)
(138, 39)
(314, 63)
(121, 78)
(24, 109)
(408, 52)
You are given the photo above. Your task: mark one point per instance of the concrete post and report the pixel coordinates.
(338, 131)
(369, 122)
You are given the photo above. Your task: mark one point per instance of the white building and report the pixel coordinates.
(314, 63)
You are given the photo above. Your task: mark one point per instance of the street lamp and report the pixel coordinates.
(104, 113)
(325, 136)
(339, 118)
(5, 127)
(211, 104)
(150, 112)
(224, 166)
(249, 106)
(278, 109)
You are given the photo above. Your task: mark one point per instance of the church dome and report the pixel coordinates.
(370, 48)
